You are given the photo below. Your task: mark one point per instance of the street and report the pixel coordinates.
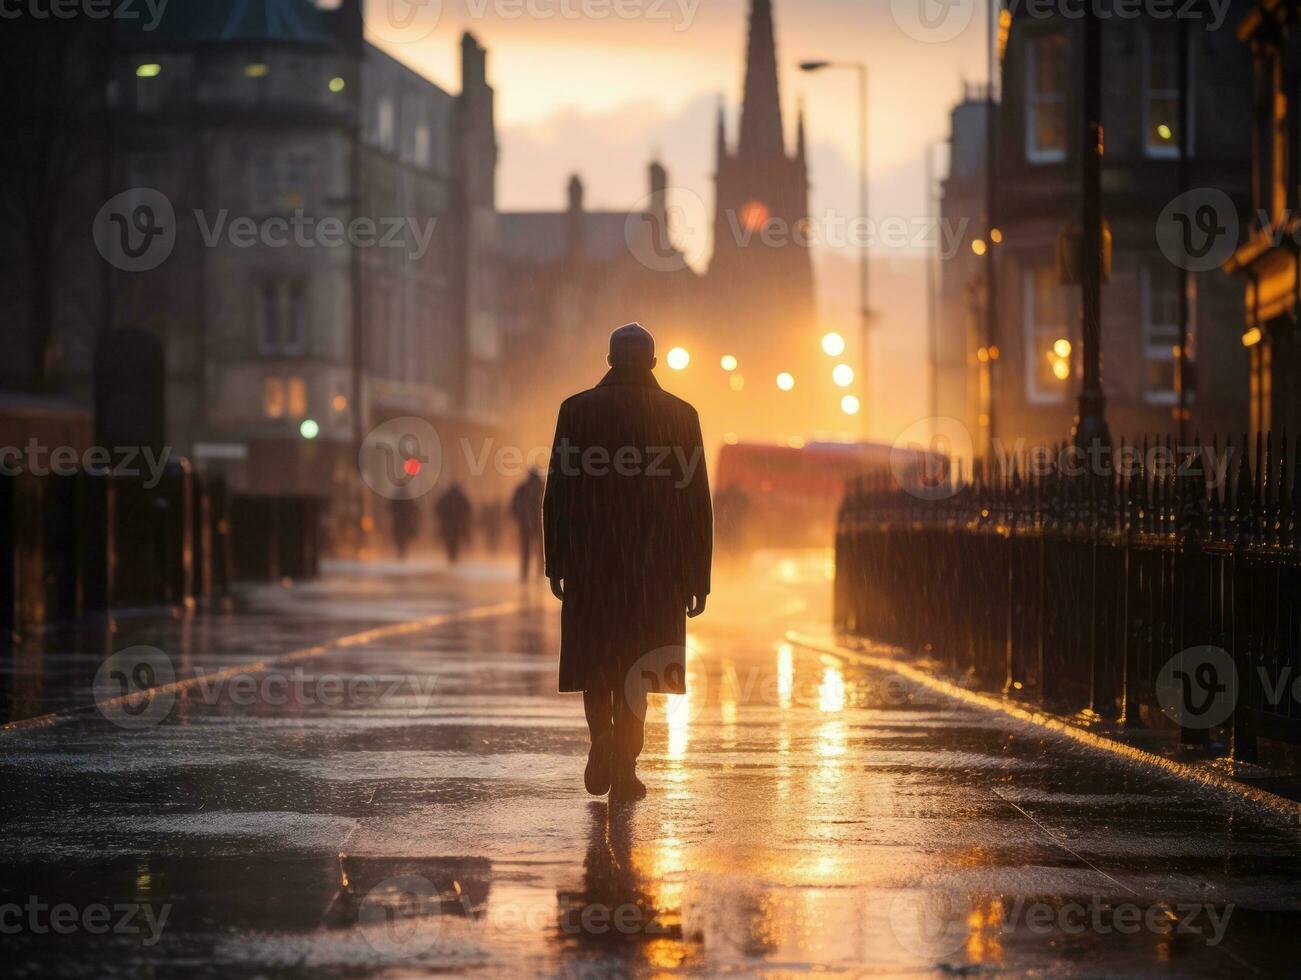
(412, 800)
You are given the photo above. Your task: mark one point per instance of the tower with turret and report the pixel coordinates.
(760, 277)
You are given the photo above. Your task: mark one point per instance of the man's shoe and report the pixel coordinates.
(627, 786)
(596, 777)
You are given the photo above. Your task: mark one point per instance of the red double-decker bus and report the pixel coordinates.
(779, 496)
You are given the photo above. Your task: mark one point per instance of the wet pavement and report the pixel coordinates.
(412, 802)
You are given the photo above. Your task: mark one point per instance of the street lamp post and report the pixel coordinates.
(864, 285)
(1091, 423)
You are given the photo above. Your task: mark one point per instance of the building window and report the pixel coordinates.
(281, 318)
(1045, 98)
(421, 154)
(273, 398)
(1161, 93)
(296, 320)
(297, 398)
(1159, 298)
(268, 319)
(1047, 337)
(386, 124)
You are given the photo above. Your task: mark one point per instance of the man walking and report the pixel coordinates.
(628, 534)
(454, 516)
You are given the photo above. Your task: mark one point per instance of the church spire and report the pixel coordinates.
(761, 115)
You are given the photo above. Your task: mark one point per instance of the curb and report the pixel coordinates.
(1264, 803)
(257, 666)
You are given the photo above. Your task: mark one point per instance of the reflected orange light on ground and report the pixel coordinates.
(985, 929)
(831, 692)
(785, 675)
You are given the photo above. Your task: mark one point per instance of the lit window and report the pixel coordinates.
(297, 398)
(1159, 298)
(1046, 326)
(273, 398)
(1045, 98)
(1161, 92)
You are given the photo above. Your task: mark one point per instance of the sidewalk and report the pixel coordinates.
(53, 673)
(1274, 795)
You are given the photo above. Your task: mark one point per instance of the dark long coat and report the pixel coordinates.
(628, 526)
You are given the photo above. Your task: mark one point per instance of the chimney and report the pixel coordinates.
(474, 63)
(658, 209)
(574, 219)
(350, 23)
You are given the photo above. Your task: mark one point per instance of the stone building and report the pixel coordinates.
(1267, 260)
(328, 219)
(1030, 369)
(568, 278)
(573, 275)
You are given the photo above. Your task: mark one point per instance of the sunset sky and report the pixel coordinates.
(582, 89)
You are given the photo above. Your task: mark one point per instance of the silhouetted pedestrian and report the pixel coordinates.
(629, 537)
(526, 508)
(406, 524)
(454, 516)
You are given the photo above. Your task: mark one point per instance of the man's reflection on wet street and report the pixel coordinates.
(615, 911)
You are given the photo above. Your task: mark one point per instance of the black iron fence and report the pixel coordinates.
(1155, 585)
(85, 544)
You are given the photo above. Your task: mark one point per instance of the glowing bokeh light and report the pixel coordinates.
(833, 344)
(843, 375)
(679, 358)
(728, 362)
(849, 405)
(785, 381)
